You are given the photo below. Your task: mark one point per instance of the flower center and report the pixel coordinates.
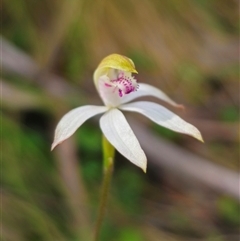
(125, 84)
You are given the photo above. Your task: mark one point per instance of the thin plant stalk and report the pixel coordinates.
(108, 163)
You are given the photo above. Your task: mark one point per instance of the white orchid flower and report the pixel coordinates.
(116, 87)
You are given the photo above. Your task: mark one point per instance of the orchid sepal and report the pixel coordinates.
(113, 61)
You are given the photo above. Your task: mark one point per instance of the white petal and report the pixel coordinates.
(73, 120)
(148, 90)
(118, 132)
(163, 117)
(108, 92)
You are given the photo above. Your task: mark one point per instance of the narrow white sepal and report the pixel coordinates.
(163, 117)
(71, 121)
(118, 132)
(149, 90)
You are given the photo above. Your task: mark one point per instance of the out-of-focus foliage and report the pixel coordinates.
(227, 208)
(31, 194)
(187, 48)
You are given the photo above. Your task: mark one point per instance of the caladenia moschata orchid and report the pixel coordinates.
(117, 87)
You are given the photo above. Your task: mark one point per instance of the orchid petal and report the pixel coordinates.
(148, 90)
(71, 121)
(118, 132)
(163, 117)
(108, 92)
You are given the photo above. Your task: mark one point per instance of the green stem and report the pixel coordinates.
(108, 160)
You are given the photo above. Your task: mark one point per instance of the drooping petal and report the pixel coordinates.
(148, 90)
(118, 132)
(163, 117)
(71, 121)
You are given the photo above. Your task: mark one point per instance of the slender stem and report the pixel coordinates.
(108, 160)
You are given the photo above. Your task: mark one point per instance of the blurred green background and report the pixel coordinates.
(189, 49)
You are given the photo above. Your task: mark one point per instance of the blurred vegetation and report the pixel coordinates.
(188, 48)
